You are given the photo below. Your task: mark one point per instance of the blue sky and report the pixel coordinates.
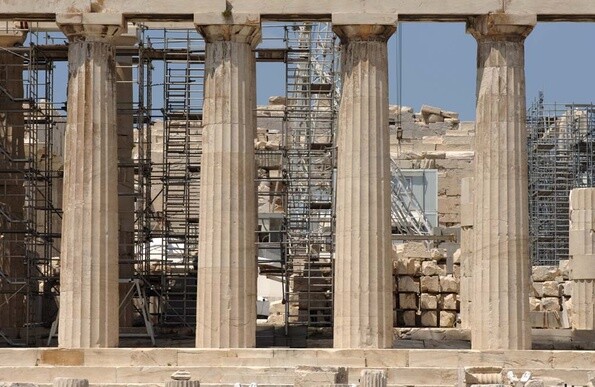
(439, 66)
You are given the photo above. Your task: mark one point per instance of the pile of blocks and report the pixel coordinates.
(426, 292)
(550, 296)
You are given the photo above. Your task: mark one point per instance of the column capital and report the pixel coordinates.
(364, 27)
(235, 27)
(500, 26)
(91, 26)
(13, 34)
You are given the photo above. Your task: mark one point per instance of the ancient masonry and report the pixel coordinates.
(485, 285)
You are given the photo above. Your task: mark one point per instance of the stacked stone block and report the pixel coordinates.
(426, 293)
(550, 296)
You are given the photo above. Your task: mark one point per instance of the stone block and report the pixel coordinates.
(408, 266)
(408, 301)
(428, 302)
(456, 257)
(449, 284)
(407, 284)
(431, 268)
(551, 289)
(415, 250)
(447, 319)
(430, 284)
(456, 272)
(550, 304)
(409, 318)
(373, 378)
(564, 266)
(545, 273)
(567, 288)
(429, 318)
(534, 304)
(70, 382)
(62, 357)
(309, 376)
(567, 306)
(448, 301)
(537, 289)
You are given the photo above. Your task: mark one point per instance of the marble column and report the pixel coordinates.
(467, 258)
(89, 257)
(582, 257)
(501, 225)
(373, 378)
(363, 315)
(227, 266)
(12, 191)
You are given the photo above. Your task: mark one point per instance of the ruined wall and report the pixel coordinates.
(436, 139)
(427, 289)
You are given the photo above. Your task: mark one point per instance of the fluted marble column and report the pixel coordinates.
(467, 256)
(363, 279)
(227, 267)
(89, 258)
(582, 257)
(12, 192)
(501, 225)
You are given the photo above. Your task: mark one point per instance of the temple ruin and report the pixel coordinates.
(160, 227)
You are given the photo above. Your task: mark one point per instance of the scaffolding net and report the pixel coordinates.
(560, 158)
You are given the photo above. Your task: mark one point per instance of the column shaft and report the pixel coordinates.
(582, 257)
(227, 266)
(467, 254)
(501, 198)
(363, 279)
(89, 259)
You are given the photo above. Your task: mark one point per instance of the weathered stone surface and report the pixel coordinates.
(429, 318)
(501, 223)
(67, 382)
(89, 249)
(537, 289)
(373, 378)
(408, 266)
(564, 266)
(468, 260)
(550, 303)
(428, 301)
(551, 289)
(416, 250)
(409, 318)
(567, 288)
(534, 304)
(456, 257)
(226, 295)
(430, 284)
(545, 273)
(408, 301)
(582, 257)
(408, 284)
(447, 319)
(309, 376)
(363, 236)
(431, 268)
(449, 284)
(448, 302)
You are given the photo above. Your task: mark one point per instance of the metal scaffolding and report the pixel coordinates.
(310, 112)
(561, 158)
(31, 171)
(163, 103)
